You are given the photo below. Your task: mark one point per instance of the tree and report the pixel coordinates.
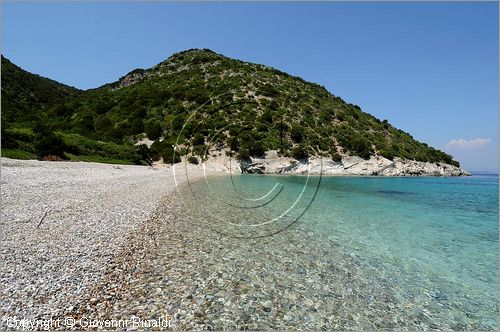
(47, 143)
(299, 152)
(335, 156)
(296, 134)
(256, 149)
(136, 126)
(193, 160)
(387, 153)
(168, 154)
(267, 117)
(153, 129)
(85, 125)
(198, 139)
(164, 150)
(243, 155)
(200, 150)
(143, 154)
(362, 147)
(7, 140)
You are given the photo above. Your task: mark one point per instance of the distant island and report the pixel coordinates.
(197, 106)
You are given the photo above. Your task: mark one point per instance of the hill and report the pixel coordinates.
(25, 94)
(199, 101)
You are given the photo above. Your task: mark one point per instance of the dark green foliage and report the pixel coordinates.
(362, 147)
(164, 150)
(268, 90)
(46, 143)
(143, 154)
(193, 160)
(153, 129)
(266, 117)
(299, 153)
(198, 139)
(49, 145)
(200, 150)
(243, 155)
(17, 154)
(17, 138)
(335, 156)
(169, 156)
(256, 149)
(296, 134)
(25, 95)
(79, 145)
(154, 151)
(389, 154)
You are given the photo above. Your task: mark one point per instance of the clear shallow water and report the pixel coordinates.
(434, 241)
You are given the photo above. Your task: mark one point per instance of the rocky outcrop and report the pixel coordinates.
(273, 164)
(252, 168)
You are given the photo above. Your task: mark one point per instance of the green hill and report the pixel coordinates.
(24, 95)
(197, 99)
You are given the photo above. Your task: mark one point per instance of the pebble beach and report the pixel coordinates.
(62, 225)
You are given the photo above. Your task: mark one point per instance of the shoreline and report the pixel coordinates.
(169, 260)
(271, 164)
(176, 267)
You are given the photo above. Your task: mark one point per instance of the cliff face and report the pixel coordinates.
(349, 166)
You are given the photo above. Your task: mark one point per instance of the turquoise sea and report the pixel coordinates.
(432, 240)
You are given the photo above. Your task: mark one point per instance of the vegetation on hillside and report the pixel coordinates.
(198, 99)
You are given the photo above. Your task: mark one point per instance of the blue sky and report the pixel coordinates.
(431, 69)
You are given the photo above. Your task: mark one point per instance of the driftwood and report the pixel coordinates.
(43, 217)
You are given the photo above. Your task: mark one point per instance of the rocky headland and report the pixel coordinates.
(271, 163)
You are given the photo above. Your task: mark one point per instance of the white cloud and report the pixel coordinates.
(468, 144)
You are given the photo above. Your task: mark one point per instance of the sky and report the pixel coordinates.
(431, 69)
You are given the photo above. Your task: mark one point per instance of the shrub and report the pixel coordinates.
(296, 134)
(261, 128)
(135, 126)
(164, 150)
(168, 154)
(243, 155)
(362, 147)
(17, 154)
(153, 129)
(49, 144)
(299, 152)
(143, 154)
(387, 154)
(154, 151)
(335, 156)
(83, 146)
(268, 90)
(266, 117)
(200, 150)
(198, 139)
(193, 160)
(256, 149)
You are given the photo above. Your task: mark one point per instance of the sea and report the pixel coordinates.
(433, 241)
